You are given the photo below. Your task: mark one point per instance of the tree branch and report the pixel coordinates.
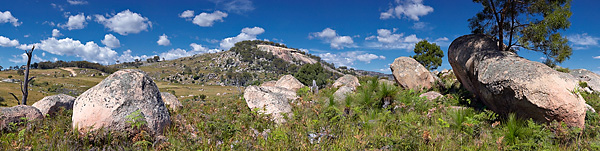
(14, 97)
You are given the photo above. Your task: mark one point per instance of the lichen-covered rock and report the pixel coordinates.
(410, 74)
(16, 114)
(171, 101)
(431, 95)
(270, 100)
(109, 104)
(289, 82)
(346, 80)
(269, 83)
(51, 104)
(341, 94)
(507, 83)
(590, 78)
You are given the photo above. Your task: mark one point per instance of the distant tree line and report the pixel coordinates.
(79, 64)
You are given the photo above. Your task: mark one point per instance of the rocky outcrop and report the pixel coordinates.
(270, 100)
(171, 101)
(346, 80)
(592, 79)
(287, 54)
(17, 114)
(342, 93)
(410, 74)
(269, 83)
(51, 104)
(431, 95)
(289, 82)
(507, 83)
(112, 103)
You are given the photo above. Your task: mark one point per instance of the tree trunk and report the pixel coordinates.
(26, 78)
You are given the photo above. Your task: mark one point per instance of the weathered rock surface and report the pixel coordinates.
(507, 83)
(269, 83)
(287, 54)
(270, 100)
(51, 104)
(171, 101)
(346, 80)
(119, 95)
(592, 79)
(16, 113)
(342, 93)
(431, 95)
(410, 74)
(289, 82)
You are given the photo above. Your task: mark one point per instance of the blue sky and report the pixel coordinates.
(361, 34)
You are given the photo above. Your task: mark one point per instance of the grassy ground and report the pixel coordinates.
(319, 123)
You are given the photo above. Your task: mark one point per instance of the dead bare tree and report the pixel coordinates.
(26, 79)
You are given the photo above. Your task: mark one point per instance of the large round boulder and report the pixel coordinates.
(171, 101)
(121, 97)
(289, 82)
(51, 104)
(17, 114)
(270, 100)
(346, 80)
(507, 83)
(410, 74)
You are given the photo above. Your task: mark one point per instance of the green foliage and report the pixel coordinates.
(583, 84)
(531, 25)
(564, 70)
(303, 92)
(79, 64)
(202, 97)
(309, 72)
(428, 54)
(136, 119)
(250, 53)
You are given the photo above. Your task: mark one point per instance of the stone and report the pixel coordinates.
(507, 83)
(51, 104)
(346, 80)
(410, 74)
(16, 114)
(589, 108)
(431, 95)
(269, 83)
(341, 94)
(112, 102)
(171, 101)
(289, 82)
(592, 79)
(270, 100)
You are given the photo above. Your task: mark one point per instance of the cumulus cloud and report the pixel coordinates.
(163, 40)
(187, 14)
(349, 58)
(583, 40)
(247, 34)
(178, 53)
(335, 41)
(412, 9)
(111, 41)
(125, 22)
(206, 19)
(388, 39)
(76, 22)
(23, 58)
(127, 57)
(7, 17)
(56, 33)
(6, 42)
(89, 51)
(76, 2)
(235, 6)
(597, 57)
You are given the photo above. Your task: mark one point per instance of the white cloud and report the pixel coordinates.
(178, 53)
(235, 6)
(127, 57)
(187, 14)
(7, 17)
(76, 22)
(163, 40)
(387, 39)
(56, 33)
(59, 7)
(441, 39)
(208, 19)
(412, 9)
(76, 2)
(6, 42)
(247, 34)
(26, 36)
(596, 57)
(335, 41)
(583, 40)
(89, 51)
(125, 22)
(349, 58)
(111, 41)
(23, 58)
